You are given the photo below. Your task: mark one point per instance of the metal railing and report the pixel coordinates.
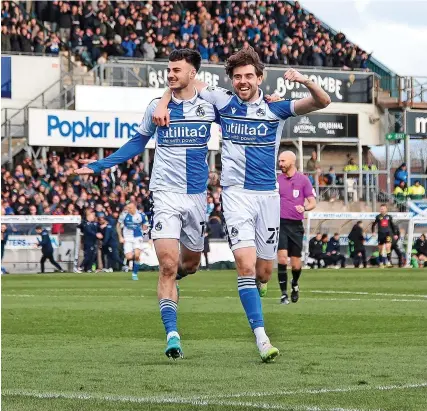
(351, 189)
(407, 89)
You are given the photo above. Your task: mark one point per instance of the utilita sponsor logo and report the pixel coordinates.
(88, 128)
(242, 130)
(305, 126)
(185, 131)
(329, 84)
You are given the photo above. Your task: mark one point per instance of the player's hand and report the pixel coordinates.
(295, 76)
(121, 240)
(299, 208)
(81, 171)
(395, 237)
(86, 161)
(99, 236)
(161, 116)
(272, 98)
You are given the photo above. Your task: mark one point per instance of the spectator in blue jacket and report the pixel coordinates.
(204, 50)
(129, 47)
(401, 175)
(47, 250)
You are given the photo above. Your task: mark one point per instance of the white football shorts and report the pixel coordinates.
(252, 220)
(132, 244)
(180, 216)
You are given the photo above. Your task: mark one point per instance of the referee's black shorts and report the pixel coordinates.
(291, 237)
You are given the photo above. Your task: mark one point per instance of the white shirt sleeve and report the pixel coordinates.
(147, 126)
(217, 96)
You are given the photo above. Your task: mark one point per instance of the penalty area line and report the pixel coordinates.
(193, 401)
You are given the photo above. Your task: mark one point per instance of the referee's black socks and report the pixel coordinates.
(283, 277)
(296, 274)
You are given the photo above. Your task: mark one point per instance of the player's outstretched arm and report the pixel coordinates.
(132, 148)
(319, 98)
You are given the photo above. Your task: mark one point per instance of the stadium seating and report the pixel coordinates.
(280, 32)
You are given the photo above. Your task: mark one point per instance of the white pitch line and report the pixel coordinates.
(318, 391)
(170, 400)
(364, 293)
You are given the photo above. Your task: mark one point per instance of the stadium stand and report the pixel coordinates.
(281, 32)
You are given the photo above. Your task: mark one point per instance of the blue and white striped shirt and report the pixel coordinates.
(132, 224)
(251, 134)
(180, 160)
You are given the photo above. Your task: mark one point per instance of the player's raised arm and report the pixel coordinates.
(319, 98)
(132, 148)
(161, 116)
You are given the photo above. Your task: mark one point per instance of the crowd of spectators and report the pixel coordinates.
(281, 33)
(44, 187)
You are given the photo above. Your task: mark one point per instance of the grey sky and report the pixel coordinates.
(396, 31)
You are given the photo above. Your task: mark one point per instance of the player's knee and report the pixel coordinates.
(246, 270)
(168, 267)
(282, 259)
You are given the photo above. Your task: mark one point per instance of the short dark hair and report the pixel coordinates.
(192, 57)
(324, 236)
(383, 205)
(39, 227)
(244, 57)
(336, 234)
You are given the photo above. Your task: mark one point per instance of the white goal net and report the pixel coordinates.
(342, 223)
(21, 254)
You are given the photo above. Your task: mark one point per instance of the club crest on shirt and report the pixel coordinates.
(158, 226)
(295, 193)
(233, 110)
(200, 112)
(260, 112)
(234, 232)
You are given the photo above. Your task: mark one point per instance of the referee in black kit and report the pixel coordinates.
(296, 196)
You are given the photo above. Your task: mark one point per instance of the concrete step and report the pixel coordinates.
(18, 144)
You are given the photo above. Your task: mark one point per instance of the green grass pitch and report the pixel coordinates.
(356, 340)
